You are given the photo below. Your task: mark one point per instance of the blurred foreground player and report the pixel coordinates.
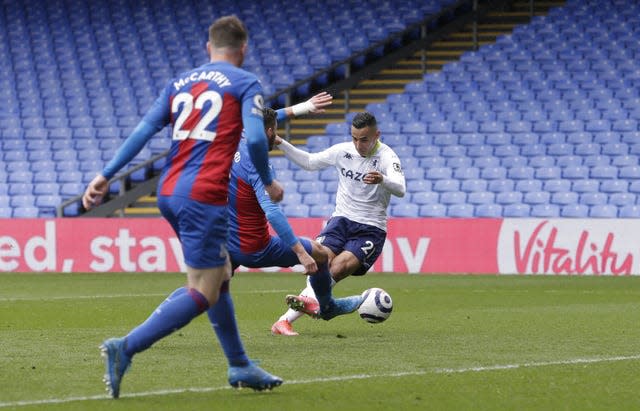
(369, 172)
(208, 108)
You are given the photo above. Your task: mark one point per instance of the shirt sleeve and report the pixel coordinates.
(309, 161)
(254, 132)
(154, 120)
(273, 212)
(393, 176)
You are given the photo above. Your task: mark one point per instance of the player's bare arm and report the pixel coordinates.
(95, 192)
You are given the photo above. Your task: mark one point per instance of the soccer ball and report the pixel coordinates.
(376, 305)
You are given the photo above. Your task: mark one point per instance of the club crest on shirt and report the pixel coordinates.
(397, 168)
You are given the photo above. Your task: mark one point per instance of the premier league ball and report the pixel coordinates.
(376, 307)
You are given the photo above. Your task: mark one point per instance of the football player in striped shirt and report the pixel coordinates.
(207, 108)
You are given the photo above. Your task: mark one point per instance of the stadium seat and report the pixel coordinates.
(315, 198)
(453, 197)
(575, 211)
(488, 210)
(604, 172)
(593, 198)
(509, 197)
(296, 210)
(432, 210)
(603, 211)
(480, 197)
(462, 210)
(321, 210)
(446, 185)
(516, 210)
(514, 162)
(629, 211)
(473, 185)
(425, 197)
(405, 210)
(614, 186)
(545, 210)
(500, 185)
(622, 199)
(527, 186)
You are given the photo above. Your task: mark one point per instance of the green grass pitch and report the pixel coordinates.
(451, 343)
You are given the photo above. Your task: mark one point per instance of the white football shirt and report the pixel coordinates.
(355, 200)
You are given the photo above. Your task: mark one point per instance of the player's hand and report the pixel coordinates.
(320, 101)
(310, 265)
(95, 192)
(373, 177)
(278, 140)
(275, 191)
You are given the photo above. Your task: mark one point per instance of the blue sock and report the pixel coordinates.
(173, 314)
(223, 319)
(321, 284)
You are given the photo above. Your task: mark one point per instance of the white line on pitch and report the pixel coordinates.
(97, 297)
(497, 367)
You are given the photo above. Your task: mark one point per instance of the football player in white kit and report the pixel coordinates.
(369, 172)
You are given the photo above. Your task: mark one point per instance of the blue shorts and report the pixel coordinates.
(201, 229)
(363, 240)
(275, 254)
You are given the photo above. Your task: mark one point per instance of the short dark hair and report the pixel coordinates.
(228, 31)
(364, 119)
(269, 117)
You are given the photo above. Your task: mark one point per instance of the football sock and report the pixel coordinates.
(290, 315)
(223, 319)
(321, 283)
(173, 314)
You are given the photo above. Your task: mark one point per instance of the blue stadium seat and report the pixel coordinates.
(575, 211)
(473, 185)
(425, 197)
(315, 198)
(488, 210)
(513, 161)
(438, 173)
(545, 211)
(604, 172)
(321, 210)
(630, 172)
(466, 173)
(501, 185)
(296, 210)
(542, 161)
(625, 160)
(629, 211)
(603, 211)
(457, 162)
(446, 185)
(568, 161)
(614, 186)
(462, 210)
(481, 197)
(432, 210)
(516, 210)
(536, 197)
(509, 197)
(521, 173)
(596, 160)
(453, 197)
(405, 210)
(310, 186)
(493, 173)
(527, 186)
(622, 199)
(593, 198)
(564, 198)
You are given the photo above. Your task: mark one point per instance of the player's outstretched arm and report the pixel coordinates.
(314, 105)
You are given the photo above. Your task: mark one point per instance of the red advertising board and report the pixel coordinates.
(445, 245)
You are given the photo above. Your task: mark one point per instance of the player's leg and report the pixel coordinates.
(284, 324)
